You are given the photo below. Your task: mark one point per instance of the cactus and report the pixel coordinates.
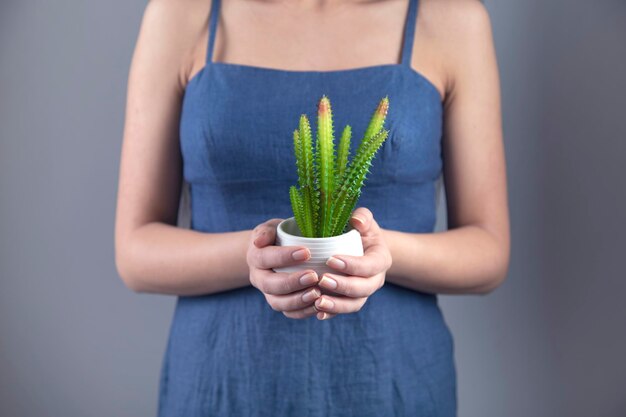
(329, 186)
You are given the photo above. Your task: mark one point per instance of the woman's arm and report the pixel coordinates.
(473, 256)
(151, 253)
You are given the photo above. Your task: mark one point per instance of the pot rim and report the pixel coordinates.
(279, 229)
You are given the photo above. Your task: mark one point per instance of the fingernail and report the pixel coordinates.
(359, 219)
(325, 303)
(335, 263)
(329, 283)
(310, 295)
(300, 255)
(308, 278)
(321, 315)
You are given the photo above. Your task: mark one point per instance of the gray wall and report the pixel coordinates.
(75, 342)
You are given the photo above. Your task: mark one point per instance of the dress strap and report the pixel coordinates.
(409, 33)
(213, 18)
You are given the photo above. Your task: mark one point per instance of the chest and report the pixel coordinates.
(237, 121)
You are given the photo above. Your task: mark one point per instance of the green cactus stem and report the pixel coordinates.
(297, 206)
(304, 161)
(343, 153)
(326, 163)
(349, 190)
(377, 120)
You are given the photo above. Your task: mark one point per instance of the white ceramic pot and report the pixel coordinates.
(322, 248)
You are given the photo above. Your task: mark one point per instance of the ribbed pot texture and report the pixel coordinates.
(322, 248)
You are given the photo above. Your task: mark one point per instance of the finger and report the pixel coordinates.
(293, 301)
(278, 283)
(351, 286)
(265, 233)
(322, 315)
(361, 219)
(374, 260)
(337, 304)
(301, 314)
(278, 256)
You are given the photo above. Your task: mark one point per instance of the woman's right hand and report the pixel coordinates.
(294, 293)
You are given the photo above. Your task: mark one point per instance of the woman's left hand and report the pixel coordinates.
(365, 274)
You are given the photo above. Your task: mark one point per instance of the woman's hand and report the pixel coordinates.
(290, 293)
(366, 274)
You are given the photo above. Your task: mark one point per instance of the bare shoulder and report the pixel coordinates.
(453, 21)
(453, 31)
(181, 11)
(171, 30)
(177, 18)
(468, 13)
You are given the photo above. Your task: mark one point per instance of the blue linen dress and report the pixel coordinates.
(230, 354)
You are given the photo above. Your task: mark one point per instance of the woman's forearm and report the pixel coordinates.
(161, 258)
(467, 259)
(165, 259)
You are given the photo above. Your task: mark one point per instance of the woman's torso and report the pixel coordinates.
(230, 353)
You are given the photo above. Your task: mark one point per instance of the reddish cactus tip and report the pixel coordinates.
(323, 106)
(383, 106)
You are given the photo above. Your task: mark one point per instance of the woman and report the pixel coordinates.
(215, 90)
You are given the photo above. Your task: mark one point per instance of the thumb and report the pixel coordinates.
(266, 233)
(361, 219)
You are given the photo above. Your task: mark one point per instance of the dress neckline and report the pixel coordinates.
(345, 71)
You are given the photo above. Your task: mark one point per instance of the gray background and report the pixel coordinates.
(549, 342)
